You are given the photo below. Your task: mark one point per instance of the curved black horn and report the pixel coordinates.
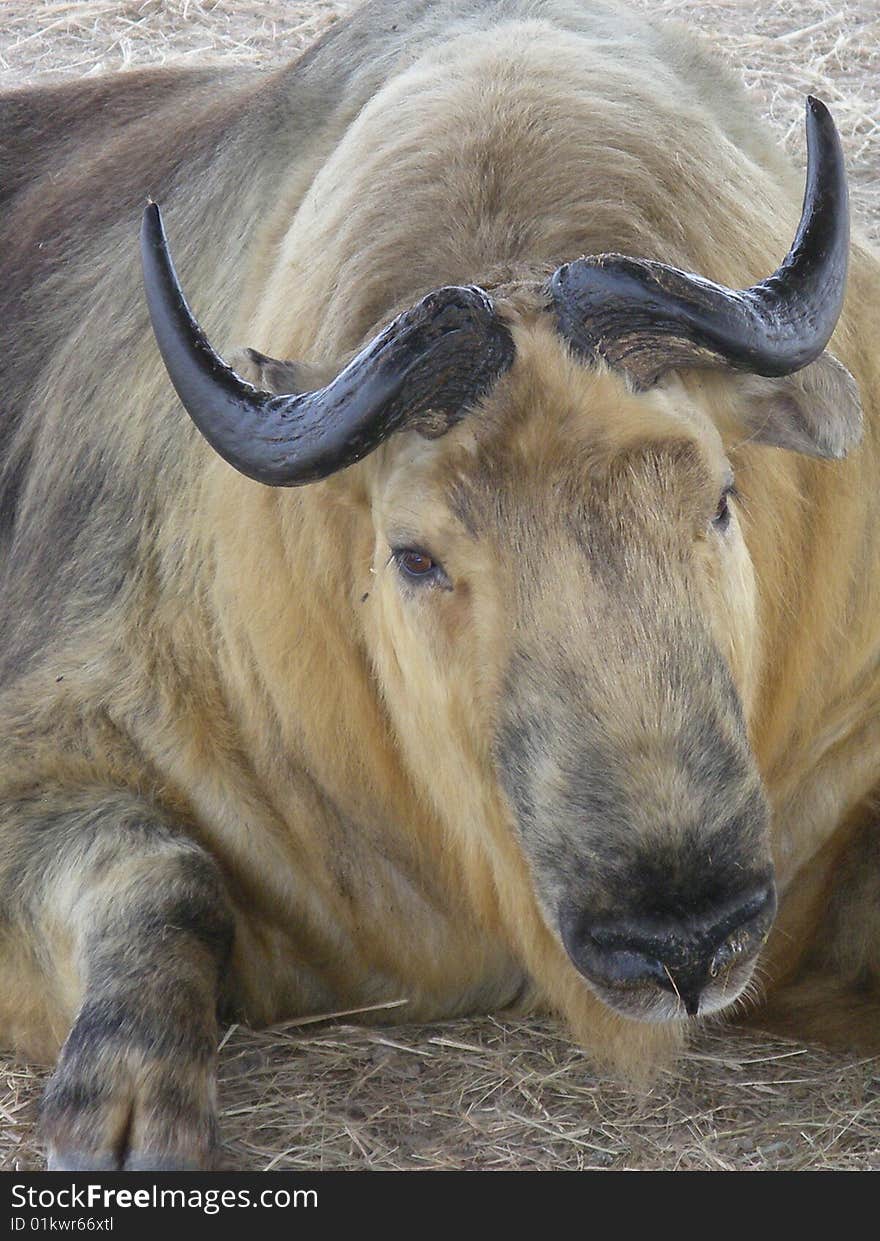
(422, 371)
(646, 318)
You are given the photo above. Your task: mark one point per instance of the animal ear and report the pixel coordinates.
(276, 375)
(816, 410)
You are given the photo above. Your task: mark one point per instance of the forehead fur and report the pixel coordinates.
(554, 426)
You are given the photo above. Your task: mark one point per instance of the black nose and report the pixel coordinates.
(681, 955)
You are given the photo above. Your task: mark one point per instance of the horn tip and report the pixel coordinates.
(817, 110)
(151, 221)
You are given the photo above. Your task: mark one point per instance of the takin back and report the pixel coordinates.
(515, 645)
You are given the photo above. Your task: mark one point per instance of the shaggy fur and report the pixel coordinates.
(242, 760)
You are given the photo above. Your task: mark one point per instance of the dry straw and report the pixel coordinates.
(490, 1093)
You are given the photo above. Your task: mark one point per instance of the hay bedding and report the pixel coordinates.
(487, 1093)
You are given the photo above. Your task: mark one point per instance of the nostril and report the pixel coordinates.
(623, 966)
(615, 954)
(740, 926)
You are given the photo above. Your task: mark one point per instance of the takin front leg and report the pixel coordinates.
(825, 978)
(125, 927)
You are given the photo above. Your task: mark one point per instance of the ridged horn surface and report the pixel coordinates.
(422, 371)
(645, 318)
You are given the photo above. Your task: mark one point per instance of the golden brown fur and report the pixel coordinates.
(223, 684)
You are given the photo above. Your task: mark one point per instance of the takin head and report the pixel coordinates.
(558, 531)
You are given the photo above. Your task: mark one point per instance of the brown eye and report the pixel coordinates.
(418, 566)
(721, 520)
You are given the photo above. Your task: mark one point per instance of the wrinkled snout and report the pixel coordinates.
(657, 968)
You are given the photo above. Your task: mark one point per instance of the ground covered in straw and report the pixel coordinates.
(496, 1094)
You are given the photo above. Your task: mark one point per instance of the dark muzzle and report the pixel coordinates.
(698, 958)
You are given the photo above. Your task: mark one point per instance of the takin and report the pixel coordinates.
(515, 646)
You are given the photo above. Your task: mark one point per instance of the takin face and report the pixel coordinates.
(564, 597)
(562, 584)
